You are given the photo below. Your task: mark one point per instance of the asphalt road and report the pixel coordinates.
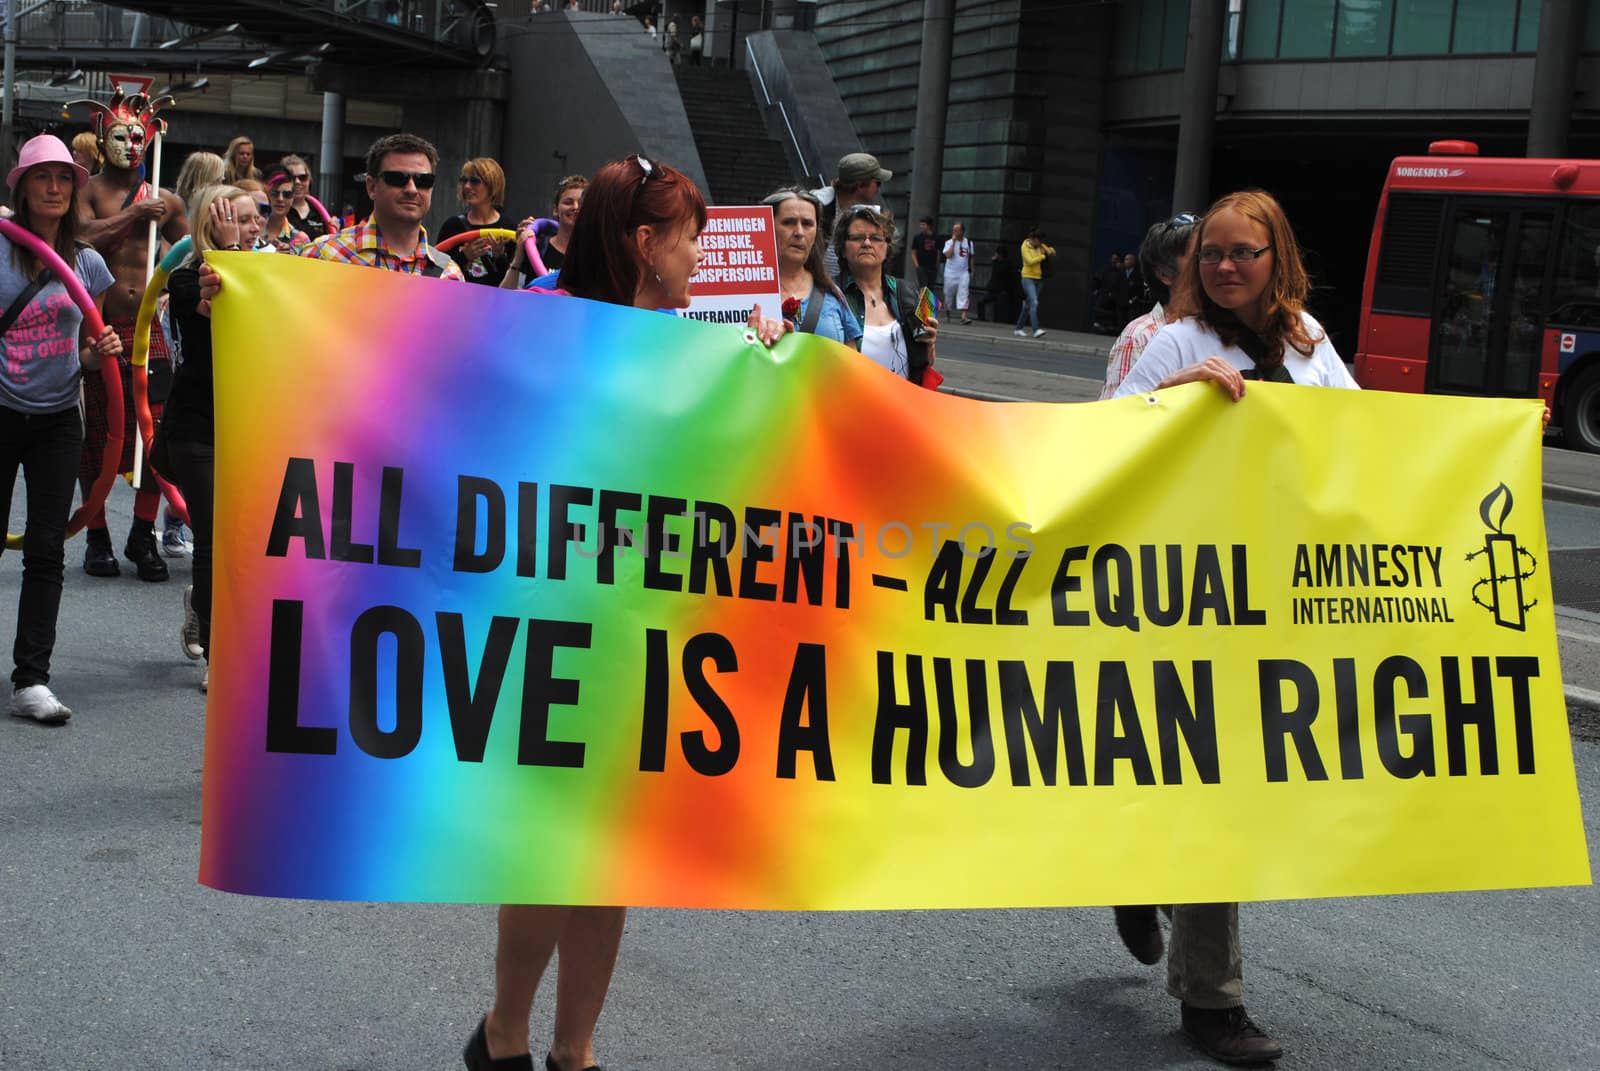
(112, 957)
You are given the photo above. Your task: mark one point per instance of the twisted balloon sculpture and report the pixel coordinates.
(141, 364)
(530, 244)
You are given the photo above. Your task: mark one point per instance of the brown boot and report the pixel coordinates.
(1227, 1034)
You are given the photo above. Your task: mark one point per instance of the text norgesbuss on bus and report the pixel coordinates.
(1484, 278)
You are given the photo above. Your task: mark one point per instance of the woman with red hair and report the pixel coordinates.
(635, 242)
(1239, 309)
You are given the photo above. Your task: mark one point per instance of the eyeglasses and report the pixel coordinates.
(869, 239)
(1243, 255)
(1182, 219)
(398, 179)
(470, 180)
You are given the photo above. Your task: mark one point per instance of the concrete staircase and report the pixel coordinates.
(742, 163)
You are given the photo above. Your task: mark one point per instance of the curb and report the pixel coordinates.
(1577, 496)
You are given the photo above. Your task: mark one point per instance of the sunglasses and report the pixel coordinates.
(398, 179)
(299, 177)
(264, 207)
(645, 166)
(1182, 219)
(281, 191)
(470, 180)
(863, 210)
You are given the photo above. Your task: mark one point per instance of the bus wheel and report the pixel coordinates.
(1580, 417)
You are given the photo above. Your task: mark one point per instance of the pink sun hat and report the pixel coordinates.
(46, 149)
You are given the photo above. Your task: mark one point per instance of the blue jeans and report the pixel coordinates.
(1030, 303)
(46, 446)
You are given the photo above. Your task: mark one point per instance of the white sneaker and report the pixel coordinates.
(1039, 333)
(1020, 333)
(190, 632)
(39, 704)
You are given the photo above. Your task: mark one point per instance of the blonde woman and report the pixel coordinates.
(200, 170)
(241, 156)
(482, 190)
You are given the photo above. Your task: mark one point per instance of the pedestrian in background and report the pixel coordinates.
(925, 253)
(957, 256)
(892, 335)
(1034, 253)
(240, 157)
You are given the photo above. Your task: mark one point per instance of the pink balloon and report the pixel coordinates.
(69, 278)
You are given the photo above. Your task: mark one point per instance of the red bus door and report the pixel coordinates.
(1489, 323)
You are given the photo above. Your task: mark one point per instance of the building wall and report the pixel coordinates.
(1022, 129)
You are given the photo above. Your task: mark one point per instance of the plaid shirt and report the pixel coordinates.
(1129, 345)
(362, 244)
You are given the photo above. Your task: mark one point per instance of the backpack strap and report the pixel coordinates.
(29, 292)
(813, 310)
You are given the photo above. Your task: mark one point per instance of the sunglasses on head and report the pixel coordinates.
(648, 169)
(1182, 219)
(398, 179)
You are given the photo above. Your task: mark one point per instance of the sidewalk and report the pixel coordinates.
(1569, 475)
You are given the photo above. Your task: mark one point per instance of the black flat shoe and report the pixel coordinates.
(551, 1065)
(476, 1055)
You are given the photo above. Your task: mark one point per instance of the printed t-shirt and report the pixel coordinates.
(41, 348)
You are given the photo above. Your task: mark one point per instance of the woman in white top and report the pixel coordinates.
(1239, 309)
(1240, 313)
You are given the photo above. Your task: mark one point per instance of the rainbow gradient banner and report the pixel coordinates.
(522, 598)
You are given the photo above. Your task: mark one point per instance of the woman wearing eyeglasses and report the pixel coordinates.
(482, 190)
(1239, 310)
(302, 217)
(886, 307)
(818, 304)
(279, 231)
(635, 242)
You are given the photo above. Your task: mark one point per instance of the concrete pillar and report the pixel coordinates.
(933, 101)
(1197, 118)
(1555, 70)
(8, 112)
(330, 158)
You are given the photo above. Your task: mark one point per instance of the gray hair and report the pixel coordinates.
(1163, 244)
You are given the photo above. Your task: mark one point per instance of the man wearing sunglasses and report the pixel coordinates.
(400, 178)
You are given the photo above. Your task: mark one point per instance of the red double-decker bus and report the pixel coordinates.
(1484, 278)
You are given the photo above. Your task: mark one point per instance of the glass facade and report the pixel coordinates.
(1151, 35)
(1322, 29)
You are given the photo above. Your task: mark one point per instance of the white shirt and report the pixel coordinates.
(960, 256)
(884, 344)
(1187, 342)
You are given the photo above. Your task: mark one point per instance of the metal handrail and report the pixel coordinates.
(783, 113)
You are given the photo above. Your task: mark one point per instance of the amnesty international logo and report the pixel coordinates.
(1509, 564)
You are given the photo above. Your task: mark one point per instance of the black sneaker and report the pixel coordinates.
(98, 560)
(141, 550)
(1140, 931)
(1227, 1034)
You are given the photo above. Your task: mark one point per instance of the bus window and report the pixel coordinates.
(1576, 299)
(1491, 316)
